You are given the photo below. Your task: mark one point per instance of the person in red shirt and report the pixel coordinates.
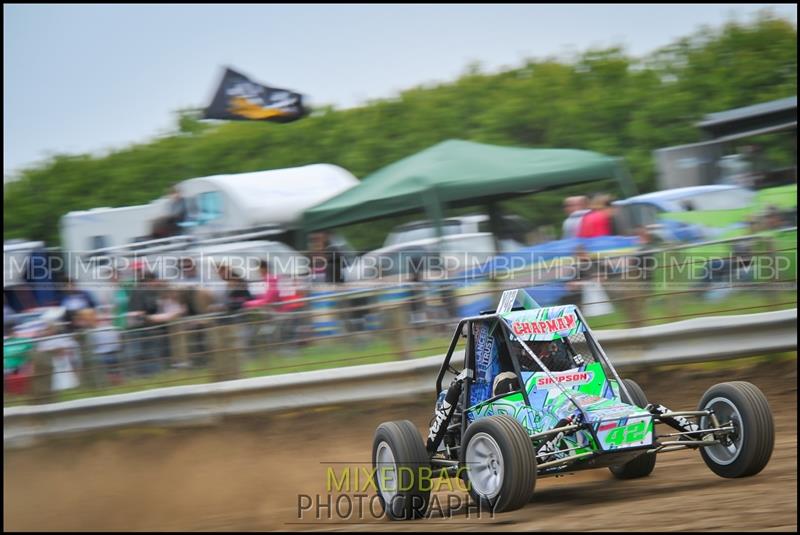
(598, 221)
(271, 291)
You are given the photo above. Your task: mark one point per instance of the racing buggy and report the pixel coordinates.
(537, 396)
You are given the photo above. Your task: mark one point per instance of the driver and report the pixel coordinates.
(553, 354)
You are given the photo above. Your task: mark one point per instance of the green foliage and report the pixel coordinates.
(603, 100)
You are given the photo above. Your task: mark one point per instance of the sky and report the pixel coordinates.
(90, 78)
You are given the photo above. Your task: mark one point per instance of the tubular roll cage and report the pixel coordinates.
(466, 375)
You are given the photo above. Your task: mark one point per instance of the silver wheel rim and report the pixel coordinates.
(484, 465)
(386, 471)
(730, 444)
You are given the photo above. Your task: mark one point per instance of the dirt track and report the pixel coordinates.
(247, 474)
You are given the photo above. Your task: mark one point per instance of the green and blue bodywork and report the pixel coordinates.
(588, 393)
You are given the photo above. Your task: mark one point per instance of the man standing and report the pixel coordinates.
(575, 208)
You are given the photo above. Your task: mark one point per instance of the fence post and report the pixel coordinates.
(674, 281)
(251, 325)
(42, 381)
(398, 322)
(226, 350)
(770, 251)
(88, 371)
(261, 319)
(177, 342)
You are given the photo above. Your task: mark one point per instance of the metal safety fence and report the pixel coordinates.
(332, 328)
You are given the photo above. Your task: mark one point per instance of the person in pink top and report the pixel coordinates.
(271, 291)
(598, 221)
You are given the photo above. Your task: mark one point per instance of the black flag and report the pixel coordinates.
(240, 99)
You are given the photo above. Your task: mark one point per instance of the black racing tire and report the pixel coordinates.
(400, 444)
(504, 440)
(750, 447)
(637, 394)
(644, 464)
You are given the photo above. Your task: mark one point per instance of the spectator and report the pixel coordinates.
(598, 222)
(196, 300)
(120, 302)
(105, 350)
(236, 295)
(178, 210)
(236, 291)
(74, 300)
(271, 288)
(319, 261)
(170, 306)
(326, 259)
(177, 213)
(150, 345)
(17, 366)
(193, 297)
(637, 280)
(273, 294)
(143, 300)
(584, 269)
(65, 354)
(585, 286)
(290, 293)
(188, 272)
(575, 208)
(294, 324)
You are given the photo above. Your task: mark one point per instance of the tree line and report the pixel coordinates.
(603, 100)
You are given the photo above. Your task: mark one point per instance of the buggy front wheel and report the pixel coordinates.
(746, 450)
(500, 463)
(400, 462)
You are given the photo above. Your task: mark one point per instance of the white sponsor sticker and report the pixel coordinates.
(566, 379)
(507, 301)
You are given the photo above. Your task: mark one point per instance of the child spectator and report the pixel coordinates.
(105, 350)
(66, 358)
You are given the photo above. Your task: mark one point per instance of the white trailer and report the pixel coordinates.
(219, 204)
(226, 203)
(84, 231)
(220, 209)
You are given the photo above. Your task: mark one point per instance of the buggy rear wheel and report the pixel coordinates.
(400, 463)
(500, 463)
(746, 450)
(644, 464)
